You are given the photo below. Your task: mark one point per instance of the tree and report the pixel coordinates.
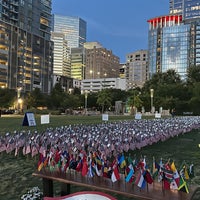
(57, 96)
(193, 74)
(35, 99)
(71, 102)
(134, 100)
(8, 97)
(30, 100)
(104, 99)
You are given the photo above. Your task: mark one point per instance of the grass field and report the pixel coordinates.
(10, 123)
(16, 172)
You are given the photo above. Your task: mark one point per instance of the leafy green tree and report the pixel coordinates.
(134, 101)
(76, 91)
(35, 99)
(7, 97)
(57, 96)
(194, 102)
(193, 84)
(169, 89)
(104, 99)
(70, 101)
(30, 100)
(193, 74)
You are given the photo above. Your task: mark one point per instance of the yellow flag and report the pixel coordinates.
(186, 173)
(173, 168)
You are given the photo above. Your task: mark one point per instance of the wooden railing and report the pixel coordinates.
(153, 191)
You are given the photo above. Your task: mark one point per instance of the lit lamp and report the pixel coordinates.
(91, 74)
(104, 80)
(151, 95)
(86, 96)
(70, 90)
(20, 102)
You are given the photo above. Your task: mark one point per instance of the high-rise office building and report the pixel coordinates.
(25, 46)
(136, 69)
(100, 62)
(74, 29)
(190, 9)
(62, 58)
(176, 7)
(74, 32)
(78, 63)
(174, 40)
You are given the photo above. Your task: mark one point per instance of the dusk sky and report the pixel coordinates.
(119, 25)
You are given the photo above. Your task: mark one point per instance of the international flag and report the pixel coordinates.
(186, 175)
(168, 174)
(115, 175)
(183, 185)
(85, 168)
(173, 185)
(90, 171)
(98, 161)
(130, 160)
(130, 174)
(160, 171)
(148, 177)
(79, 166)
(98, 172)
(191, 171)
(140, 182)
(41, 163)
(175, 174)
(156, 168)
(122, 161)
(105, 171)
(166, 182)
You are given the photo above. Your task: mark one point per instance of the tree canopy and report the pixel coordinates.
(170, 92)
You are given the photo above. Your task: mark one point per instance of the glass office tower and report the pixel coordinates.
(168, 44)
(190, 9)
(25, 46)
(176, 6)
(175, 46)
(74, 29)
(174, 40)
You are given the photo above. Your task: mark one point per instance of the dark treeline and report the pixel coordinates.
(170, 92)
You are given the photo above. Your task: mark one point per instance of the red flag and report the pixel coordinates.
(148, 177)
(85, 168)
(115, 175)
(79, 166)
(166, 184)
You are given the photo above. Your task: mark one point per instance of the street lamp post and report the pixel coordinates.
(20, 105)
(19, 100)
(86, 96)
(151, 95)
(104, 81)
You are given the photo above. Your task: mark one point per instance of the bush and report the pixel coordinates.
(33, 194)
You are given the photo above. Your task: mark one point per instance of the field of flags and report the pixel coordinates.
(133, 171)
(101, 150)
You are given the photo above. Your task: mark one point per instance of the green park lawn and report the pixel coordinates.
(16, 172)
(10, 123)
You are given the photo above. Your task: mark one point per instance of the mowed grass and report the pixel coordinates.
(16, 172)
(10, 123)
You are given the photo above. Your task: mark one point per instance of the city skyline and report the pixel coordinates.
(103, 23)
